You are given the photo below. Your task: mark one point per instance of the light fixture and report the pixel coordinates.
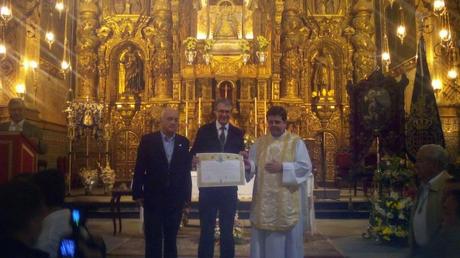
(20, 88)
(59, 7)
(65, 65)
(49, 37)
(6, 13)
(436, 84)
(439, 7)
(33, 64)
(444, 34)
(385, 56)
(401, 33)
(2, 49)
(452, 73)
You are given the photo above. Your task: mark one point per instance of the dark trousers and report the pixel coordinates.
(211, 200)
(161, 224)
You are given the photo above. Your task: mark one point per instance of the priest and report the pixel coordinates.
(281, 166)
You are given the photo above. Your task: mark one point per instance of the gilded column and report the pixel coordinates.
(292, 37)
(87, 42)
(363, 40)
(162, 63)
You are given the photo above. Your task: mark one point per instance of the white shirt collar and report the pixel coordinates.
(218, 125)
(166, 138)
(434, 179)
(15, 127)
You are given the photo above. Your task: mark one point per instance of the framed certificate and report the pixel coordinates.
(220, 169)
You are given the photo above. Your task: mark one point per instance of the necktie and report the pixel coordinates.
(222, 138)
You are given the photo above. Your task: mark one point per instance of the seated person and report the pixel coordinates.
(56, 224)
(21, 216)
(16, 109)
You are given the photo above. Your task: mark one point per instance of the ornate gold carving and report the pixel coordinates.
(362, 40)
(87, 41)
(292, 38)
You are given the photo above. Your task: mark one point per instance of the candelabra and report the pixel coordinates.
(84, 120)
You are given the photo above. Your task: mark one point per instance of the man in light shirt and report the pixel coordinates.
(18, 123)
(431, 171)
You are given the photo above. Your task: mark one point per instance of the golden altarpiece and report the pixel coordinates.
(137, 56)
(131, 56)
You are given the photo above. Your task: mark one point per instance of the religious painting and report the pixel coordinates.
(377, 110)
(325, 7)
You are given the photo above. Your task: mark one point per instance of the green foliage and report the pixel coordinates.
(190, 43)
(262, 43)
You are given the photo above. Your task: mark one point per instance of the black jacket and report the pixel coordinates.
(155, 180)
(207, 140)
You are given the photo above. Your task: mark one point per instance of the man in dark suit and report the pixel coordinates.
(218, 136)
(18, 123)
(162, 184)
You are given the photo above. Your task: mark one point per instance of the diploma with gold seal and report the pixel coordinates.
(220, 169)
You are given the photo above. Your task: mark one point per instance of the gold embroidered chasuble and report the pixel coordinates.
(276, 207)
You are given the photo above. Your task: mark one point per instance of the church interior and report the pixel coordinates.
(364, 83)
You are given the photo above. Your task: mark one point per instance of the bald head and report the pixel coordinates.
(431, 160)
(16, 109)
(169, 121)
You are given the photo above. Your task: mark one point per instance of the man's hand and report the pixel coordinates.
(274, 167)
(195, 161)
(247, 164)
(140, 201)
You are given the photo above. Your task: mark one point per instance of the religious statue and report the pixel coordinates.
(322, 72)
(127, 6)
(226, 26)
(131, 72)
(325, 6)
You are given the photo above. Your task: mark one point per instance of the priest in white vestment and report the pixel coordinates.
(281, 166)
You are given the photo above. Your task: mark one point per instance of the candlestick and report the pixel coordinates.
(255, 117)
(199, 111)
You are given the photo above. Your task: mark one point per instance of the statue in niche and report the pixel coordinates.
(326, 6)
(322, 71)
(127, 6)
(225, 90)
(226, 25)
(131, 72)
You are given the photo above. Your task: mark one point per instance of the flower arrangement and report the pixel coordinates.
(190, 43)
(208, 44)
(244, 45)
(394, 173)
(262, 43)
(390, 215)
(390, 218)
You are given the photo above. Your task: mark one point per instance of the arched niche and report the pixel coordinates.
(332, 54)
(119, 74)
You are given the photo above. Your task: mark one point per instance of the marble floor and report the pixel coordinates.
(334, 238)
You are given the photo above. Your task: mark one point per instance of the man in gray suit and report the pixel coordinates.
(426, 217)
(18, 123)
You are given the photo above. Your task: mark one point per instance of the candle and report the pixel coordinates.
(265, 116)
(255, 117)
(186, 118)
(199, 111)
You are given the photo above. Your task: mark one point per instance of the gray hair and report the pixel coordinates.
(225, 102)
(436, 154)
(16, 101)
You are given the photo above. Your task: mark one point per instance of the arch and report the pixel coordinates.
(113, 75)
